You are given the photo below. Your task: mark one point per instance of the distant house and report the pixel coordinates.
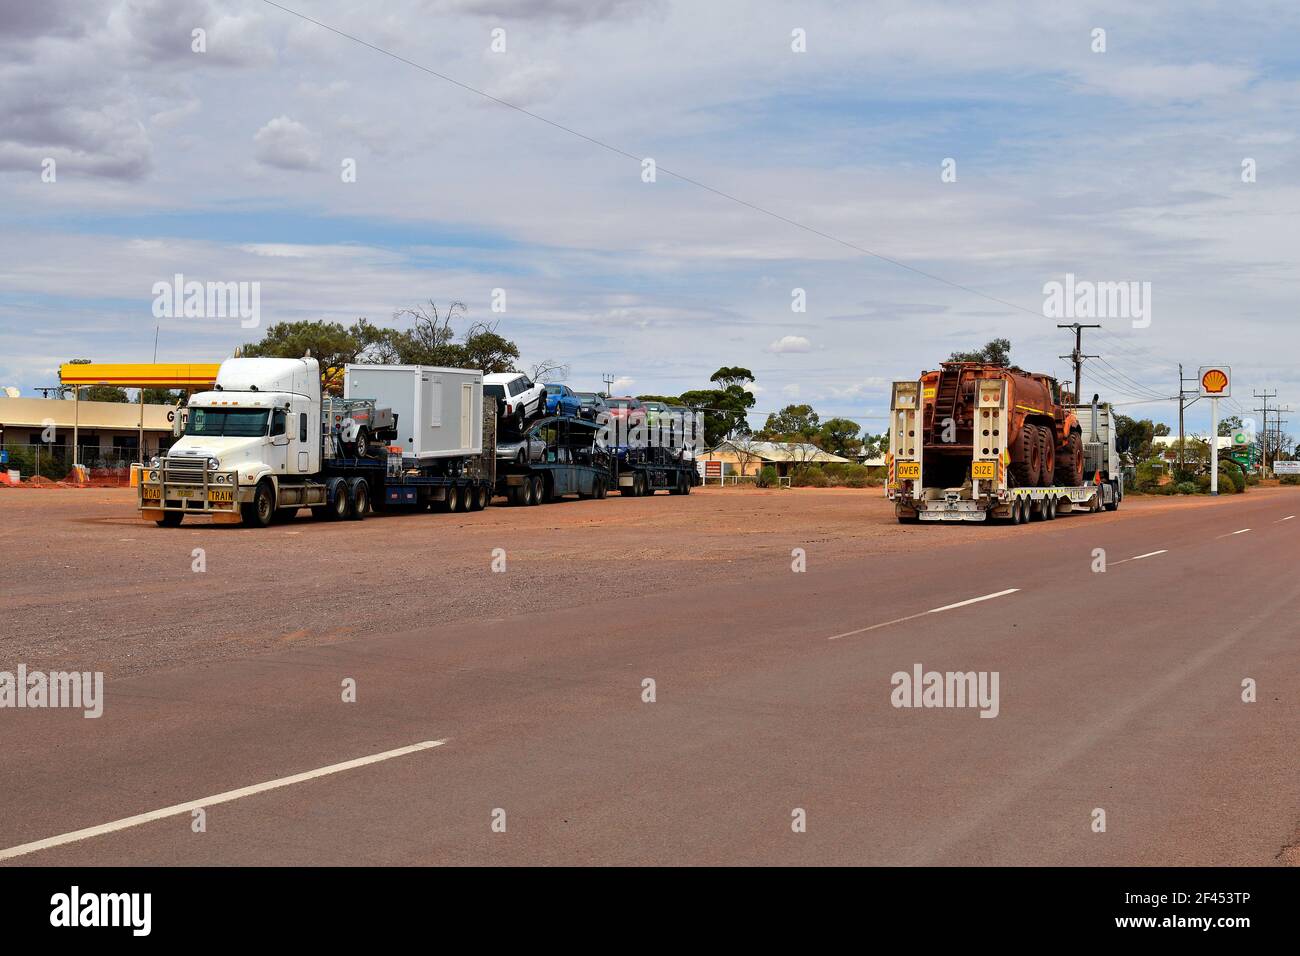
(743, 458)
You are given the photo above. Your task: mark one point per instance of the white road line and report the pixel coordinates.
(1287, 518)
(1139, 557)
(933, 610)
(987, 597)
(229, 795)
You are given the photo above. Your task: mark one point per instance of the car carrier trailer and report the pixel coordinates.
(988, 491)
(562, 455)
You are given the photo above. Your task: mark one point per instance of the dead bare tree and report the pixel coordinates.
(549, 368)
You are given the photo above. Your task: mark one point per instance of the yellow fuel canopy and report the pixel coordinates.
(139, 375)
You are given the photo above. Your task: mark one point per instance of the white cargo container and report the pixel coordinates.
(439, 410)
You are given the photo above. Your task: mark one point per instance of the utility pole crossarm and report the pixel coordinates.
(1077, 355)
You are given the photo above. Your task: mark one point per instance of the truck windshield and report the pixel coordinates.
(226, 422)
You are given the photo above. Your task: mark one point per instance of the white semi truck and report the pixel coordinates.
(266, 441)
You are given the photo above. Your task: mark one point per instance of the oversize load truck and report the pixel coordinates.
(974, 442)
(266, 441)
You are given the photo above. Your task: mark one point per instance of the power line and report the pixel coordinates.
(663, 169)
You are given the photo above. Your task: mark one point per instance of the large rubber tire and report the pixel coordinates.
(361, 446)
(455, 500)
(260, 512)
(1069, 462)
(171, 519)
(520, 420)
(338, 501)
(359, 493)
(537, 492)
(1047, 437)
(1114, 505)
(1027, 457)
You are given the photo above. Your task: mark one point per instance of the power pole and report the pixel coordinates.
(1183, 392)
(1264, 428)
(1279, 426)
(608, 379)
(1077, 356)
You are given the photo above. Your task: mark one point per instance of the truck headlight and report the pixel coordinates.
(153, 475)
(214, 464)
(155, 462)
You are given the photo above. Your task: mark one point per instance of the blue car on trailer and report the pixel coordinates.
(562, 400)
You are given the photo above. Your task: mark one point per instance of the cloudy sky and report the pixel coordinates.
(778, 169)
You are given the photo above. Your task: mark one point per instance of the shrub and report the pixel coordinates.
(767, 477)
(1289, 480)
(1252, 479)
(1230, 472)
(1203, 483)
(812, 478)
(1186, 488)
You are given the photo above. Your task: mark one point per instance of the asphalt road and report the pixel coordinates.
(1118, 690)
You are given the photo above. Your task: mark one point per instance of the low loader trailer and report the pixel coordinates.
(986, 486)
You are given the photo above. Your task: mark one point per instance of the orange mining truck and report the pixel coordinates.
(974, 441)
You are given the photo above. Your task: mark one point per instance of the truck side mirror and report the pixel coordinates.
(178, 422)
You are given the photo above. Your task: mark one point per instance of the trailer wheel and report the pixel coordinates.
(338, 501)
(171, 519)
(360, 495)
(261, 510)
(1017, 513)
(535, 490)
(1049, 509)
(453, 502)
(1113, 505)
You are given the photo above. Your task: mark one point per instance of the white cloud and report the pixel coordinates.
(286, 144)
(790, 343)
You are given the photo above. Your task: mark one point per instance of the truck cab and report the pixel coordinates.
(260, 425)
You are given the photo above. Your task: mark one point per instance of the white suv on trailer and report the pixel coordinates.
(518, 397)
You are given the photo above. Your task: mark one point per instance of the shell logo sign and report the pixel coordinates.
(1216, 381)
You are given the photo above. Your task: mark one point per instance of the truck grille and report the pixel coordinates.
(184, 470)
